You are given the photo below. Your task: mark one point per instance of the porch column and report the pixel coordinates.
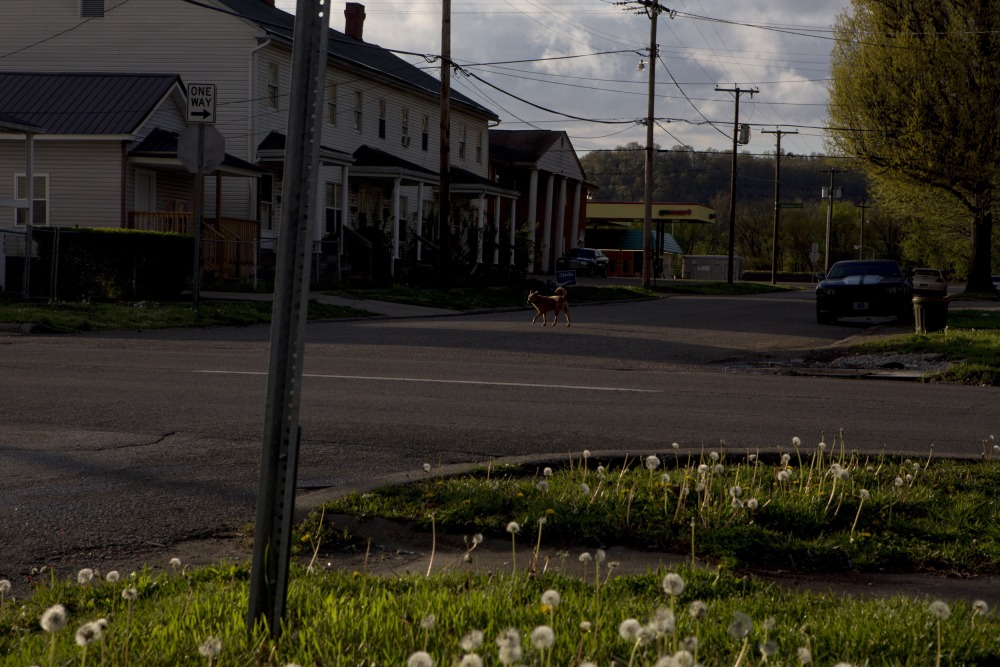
(481, 224)
(532, 217)
(513, 229)
(577, 228)
(420, 219)
(396, 182)
(345, 211)
(547, 227)
(561, 219)
(496, 230)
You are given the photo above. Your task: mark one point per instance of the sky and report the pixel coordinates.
(578, 60)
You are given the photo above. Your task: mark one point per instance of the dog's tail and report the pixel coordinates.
(561, 291)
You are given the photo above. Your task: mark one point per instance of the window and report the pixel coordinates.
(265, 201)
(40, 197)
(359, 110)
(461, 144)
(90, 9)
(272, 85)
(331, 197)
(479, 147)
(331, 103)
(425, 132)
(404, 127)
(381, 119)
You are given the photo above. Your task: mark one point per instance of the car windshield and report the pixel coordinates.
(883, 269)
(582, 252)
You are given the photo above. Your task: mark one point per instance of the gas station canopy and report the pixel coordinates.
(626, 214)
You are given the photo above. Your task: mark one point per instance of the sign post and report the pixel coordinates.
(191, 151)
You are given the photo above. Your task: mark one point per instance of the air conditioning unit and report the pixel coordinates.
(406, 141)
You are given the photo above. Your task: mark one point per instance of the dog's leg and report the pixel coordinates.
(537, 313)
(566, 313)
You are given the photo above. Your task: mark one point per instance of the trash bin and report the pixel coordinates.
(930, 313)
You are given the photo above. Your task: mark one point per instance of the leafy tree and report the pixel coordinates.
(914, 91)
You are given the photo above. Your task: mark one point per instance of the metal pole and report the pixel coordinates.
(29, 213)
(282, 434)
(199, 206)
(736, 91)
(777, 199)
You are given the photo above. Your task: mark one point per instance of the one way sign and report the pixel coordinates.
(201, 103)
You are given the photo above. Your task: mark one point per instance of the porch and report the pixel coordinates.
(230, 247)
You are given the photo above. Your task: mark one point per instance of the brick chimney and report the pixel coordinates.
(354, 26)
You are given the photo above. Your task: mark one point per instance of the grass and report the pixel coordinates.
(971, 342)
(574, 612)
(62, 317)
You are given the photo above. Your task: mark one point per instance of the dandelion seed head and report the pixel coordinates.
(585, 626)
(175, 562)
(652, 462)
(112, 576)
(5, 586)
(916, 467)
(703, 469)
(543, 485)
(844, 474)
(102, 624)
(509, 637)
(629, 629)
(543, 637)
(586, 453)
(551, 598)
(84, 576)
(585, 557)
(547, 471)
(420, 659)
(666, 661)
(584, 489)
(785, 459)
(719, 469)
(821, 446)
(736, 491)
(768, 648)
(427, 467)
(714, 456)
(665, 478)
(690, 644)
(428, 621)
(54, 618)
(980, 607)
(697, 610)
(699, 487)
(513, 527)
(470, 660)
(736, 503)
(662, 622)
(939, 609)
(673, 584)
(795, 441)
(783, 475)
(477, 538)
(863, 494)
(471, 640)
(587, 664)
(741, 626)
(130, 594)
(996, 449)
(87, 634)
(542, 520)
(898, 482)
(211, 647)
(805, 655)
(753, 504)
(751, 458)
(675, 445)
(600, 556)
(909, 477)
(600, 471)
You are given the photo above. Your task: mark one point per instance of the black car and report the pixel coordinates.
(588, 261)
(857, 288)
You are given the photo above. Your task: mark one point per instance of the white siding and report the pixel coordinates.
(561, 159)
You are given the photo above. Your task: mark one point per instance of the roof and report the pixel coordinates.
(274, 143)
(356, 52)
(82, 103)
(629, 239)
(12, 124)
(521, 145)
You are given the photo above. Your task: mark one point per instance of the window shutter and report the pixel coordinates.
(91, 8)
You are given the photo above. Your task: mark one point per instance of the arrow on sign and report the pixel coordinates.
(204, 113)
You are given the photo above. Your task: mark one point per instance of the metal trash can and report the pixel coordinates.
(930, 313)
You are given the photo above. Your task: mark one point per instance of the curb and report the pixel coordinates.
(11, 327)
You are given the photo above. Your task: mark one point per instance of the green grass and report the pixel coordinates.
(849, 513)
(92, 316)
(345, 619)
(971, 342)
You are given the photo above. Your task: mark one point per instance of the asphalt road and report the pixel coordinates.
(110, 444)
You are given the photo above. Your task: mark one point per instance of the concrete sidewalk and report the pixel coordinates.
(380, 308)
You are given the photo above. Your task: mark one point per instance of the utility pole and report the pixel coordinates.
(444, 147)
(652, 9)
(777, 198)
(736, 91)
(829, 218)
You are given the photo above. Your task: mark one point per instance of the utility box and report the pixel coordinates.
(710, 267)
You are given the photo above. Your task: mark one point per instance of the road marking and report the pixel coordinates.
(465, 382)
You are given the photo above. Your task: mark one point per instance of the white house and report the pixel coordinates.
(380, 133)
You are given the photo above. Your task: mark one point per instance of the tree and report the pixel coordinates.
(913, 96)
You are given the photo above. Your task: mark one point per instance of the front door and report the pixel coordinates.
(145, 190)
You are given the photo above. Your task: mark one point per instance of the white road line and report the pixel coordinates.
(432, 381)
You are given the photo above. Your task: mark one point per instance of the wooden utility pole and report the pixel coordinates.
(736, 91)
(829, 219)
(777, 198)
(444, 168)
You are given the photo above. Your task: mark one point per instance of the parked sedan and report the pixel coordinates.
(857, 288)
(928, 282)
(588, 261)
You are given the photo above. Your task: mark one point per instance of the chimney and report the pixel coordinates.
(354, 26)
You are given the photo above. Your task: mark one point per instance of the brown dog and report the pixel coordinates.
(546, 304)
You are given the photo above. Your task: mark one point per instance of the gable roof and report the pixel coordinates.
(163, 143)
(371, 57)
(524, 146)
(80, 103)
